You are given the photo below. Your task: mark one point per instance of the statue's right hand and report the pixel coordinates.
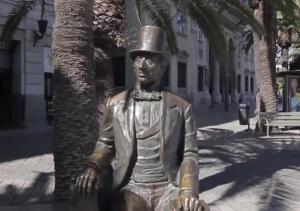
(87, 182)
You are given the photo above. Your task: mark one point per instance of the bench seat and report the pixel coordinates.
(280, 119)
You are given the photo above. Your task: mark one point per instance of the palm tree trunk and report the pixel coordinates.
(285, 59)
(285, 41)
(265, 57)
(109, 24)
(104, 78)
(75, 122)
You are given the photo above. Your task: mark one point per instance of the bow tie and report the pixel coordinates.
(146, 96)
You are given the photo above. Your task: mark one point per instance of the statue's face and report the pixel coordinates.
(148, 68)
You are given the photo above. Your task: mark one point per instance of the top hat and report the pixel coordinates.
(151, 40)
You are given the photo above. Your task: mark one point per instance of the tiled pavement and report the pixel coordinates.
(247, 172)
(26, 167)
(239, 170)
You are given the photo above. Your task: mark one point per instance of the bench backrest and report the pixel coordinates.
(281, 116)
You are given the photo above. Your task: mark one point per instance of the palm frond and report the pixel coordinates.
(249, 40)
(139, 9)
(19, 11)
(155, 10)
(287, 7)
(206, 18)
(243, 13)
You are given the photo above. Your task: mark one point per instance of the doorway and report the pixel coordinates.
(5, 87)
(11, 100)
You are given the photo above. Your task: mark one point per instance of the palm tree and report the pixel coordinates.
(75, 122)
(109, 32)
(288, 27)
(265, 50)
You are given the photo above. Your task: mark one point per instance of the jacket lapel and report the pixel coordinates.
(170, 117)
(126, 119)
(163, 123)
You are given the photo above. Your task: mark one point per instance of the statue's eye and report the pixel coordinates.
(150, 61)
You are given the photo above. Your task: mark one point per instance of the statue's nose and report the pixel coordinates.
(142, 64)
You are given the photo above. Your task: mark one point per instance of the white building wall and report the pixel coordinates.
(30, 59)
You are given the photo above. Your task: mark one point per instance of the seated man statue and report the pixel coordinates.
(148, 135)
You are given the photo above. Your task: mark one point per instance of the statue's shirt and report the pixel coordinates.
(148, 168)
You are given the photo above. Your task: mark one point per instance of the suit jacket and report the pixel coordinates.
(179, 148)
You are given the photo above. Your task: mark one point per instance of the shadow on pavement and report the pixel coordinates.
(39, 191)
(24, 143)
(213, 133)
(247, 160)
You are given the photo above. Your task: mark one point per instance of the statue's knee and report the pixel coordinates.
(127, 201)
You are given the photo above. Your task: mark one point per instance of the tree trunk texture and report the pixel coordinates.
(265, 58)
(75, 122)
(285, 41)
(83, 79)
(285, 59)
(109, 32)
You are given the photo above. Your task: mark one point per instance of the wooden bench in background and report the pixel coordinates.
(289, 119)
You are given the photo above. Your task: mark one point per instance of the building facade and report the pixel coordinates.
(23, 69)
(194, 73)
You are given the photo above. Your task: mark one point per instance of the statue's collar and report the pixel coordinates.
(154, 93)
(156, 87)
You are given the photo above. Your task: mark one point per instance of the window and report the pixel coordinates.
(246, 84)
(252, 84)
(239, 52)
(200, 78)
(181, 21)
(181, 75)
(118, 64)
(239, 84)
(200, 35)
(200, 53)
(48, 86)
(165, 81)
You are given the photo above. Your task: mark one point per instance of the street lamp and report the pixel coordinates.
(42, 30)
(42, 25)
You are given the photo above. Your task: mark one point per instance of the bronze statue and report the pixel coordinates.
(148, 136)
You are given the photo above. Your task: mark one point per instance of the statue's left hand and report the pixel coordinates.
(191, 203)
(87, 182)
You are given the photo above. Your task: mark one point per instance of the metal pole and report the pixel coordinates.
(248, 117)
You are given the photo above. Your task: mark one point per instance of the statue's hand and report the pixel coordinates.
(87, 182)
(188, 202)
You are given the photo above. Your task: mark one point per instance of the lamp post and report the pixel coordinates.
(42, 24)
(42, 30)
